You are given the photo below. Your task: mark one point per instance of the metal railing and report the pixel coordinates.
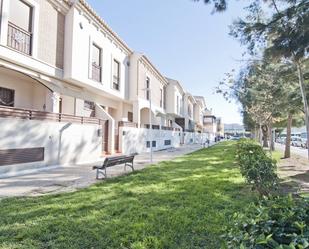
(19, 39)
(158, 127)
(116, 81)
(10, 112)
(127, 124)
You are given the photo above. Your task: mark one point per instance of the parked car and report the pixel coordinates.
(304, 139)
(281, 140)
(296, 141)
(304, 143)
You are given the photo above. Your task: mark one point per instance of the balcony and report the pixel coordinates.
(127, 124)
(154, 127)
(96, 72)
(27, 114)
(19, 39)
(158, 127)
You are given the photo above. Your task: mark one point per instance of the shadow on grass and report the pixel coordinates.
(184, 203)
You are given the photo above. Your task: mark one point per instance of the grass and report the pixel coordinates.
(184, 203)
(277, 155)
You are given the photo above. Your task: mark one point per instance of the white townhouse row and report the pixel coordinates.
(72, 91)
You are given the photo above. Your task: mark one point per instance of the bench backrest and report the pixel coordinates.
(111, 161)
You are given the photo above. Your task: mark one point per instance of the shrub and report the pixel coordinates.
(280, 223)
(256, 167)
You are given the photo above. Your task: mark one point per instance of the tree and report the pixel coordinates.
(284, 36)
(267, 92)
(219, 5)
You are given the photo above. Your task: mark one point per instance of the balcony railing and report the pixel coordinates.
(116, 81)
(96, 72)
(19, 39)
(158, 127)
(167, 128)
(154, 127)
(10, 112)
(127, 124)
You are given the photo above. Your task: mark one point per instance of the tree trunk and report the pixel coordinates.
(287, 152)
(304, 96)
(271, 140)
(257, 133)
(260, 134)
(265, 136)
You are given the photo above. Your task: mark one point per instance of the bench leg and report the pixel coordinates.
(130, 165)
(101, 171)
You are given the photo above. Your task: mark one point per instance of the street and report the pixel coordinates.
(294, 150)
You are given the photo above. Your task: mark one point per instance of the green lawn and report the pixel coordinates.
(184, 203)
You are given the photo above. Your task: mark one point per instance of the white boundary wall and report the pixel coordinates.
(64, 143)
(194, 138)
(134, 140)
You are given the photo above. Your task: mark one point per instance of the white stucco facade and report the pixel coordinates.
(142, 72)
(77, 66)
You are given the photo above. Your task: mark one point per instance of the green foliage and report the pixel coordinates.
(178, 204)
(219, 5)
(256, 167)
(281, 222)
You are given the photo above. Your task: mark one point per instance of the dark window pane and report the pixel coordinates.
(116, 76)
(167, 142)
(147, 88)
(130, 116)
(96, 55)
(116, 69)
(7, 97)
(96, 63)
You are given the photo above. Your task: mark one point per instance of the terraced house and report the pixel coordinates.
(72, 91)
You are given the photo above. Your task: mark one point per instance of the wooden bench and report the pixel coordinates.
(112, 161)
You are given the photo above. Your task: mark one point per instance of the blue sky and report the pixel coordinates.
(183, 39)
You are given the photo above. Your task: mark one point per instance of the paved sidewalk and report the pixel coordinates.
(295, 170)
(71, 178)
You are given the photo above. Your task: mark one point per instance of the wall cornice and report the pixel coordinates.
(86, 8)
(147, 63)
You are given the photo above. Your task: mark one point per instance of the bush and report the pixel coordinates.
(280, 223)
(256, 167)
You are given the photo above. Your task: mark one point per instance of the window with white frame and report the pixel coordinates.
(96, 63)
(161, 98)
(19, 35)
(116, 75)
